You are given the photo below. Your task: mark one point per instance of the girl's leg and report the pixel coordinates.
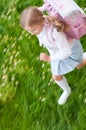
(83, 62)
(62, 82)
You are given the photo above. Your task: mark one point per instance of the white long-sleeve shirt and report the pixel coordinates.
(60, 48)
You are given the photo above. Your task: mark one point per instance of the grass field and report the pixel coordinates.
(28, 95)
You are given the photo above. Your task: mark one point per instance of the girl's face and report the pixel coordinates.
(35, 29)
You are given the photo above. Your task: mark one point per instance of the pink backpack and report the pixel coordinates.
(69, 12)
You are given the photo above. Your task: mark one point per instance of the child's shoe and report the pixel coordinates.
(63, 98)
(84, 55)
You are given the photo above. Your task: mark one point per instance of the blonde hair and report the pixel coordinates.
(32, 16)
(59, 24)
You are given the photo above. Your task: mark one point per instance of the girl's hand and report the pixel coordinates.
(45, 57)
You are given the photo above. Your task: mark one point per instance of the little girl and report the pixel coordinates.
(65, 54)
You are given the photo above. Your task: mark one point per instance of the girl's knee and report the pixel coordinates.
(57, 77)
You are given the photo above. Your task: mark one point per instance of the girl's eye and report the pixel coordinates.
(34, 30)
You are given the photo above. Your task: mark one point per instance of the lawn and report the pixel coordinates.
(28, 95)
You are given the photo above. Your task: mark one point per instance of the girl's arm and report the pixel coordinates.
(44, 57)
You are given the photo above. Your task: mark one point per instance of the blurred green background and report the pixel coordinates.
(28, 95)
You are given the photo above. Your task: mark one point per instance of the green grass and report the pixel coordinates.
(28, 95)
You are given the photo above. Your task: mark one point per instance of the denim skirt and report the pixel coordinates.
(61, 67)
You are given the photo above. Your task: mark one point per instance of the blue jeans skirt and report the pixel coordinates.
(61, 67)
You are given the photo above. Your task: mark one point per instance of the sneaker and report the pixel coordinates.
(63, 98)
(84, 55)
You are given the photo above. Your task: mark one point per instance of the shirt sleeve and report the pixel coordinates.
(63, 49)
